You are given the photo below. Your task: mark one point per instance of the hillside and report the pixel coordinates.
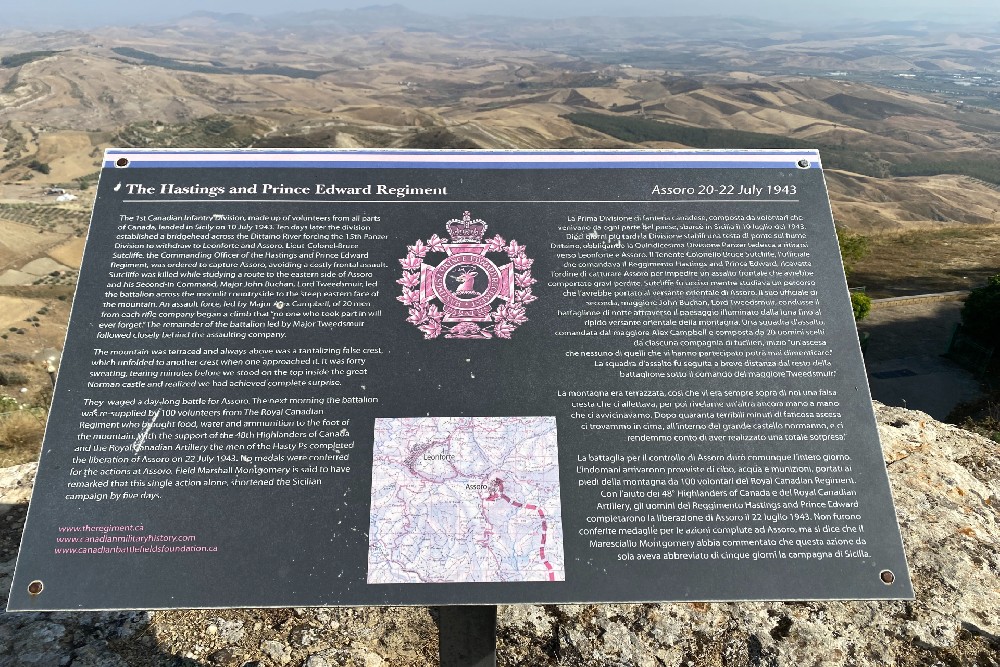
(911, 155)
(63, 99)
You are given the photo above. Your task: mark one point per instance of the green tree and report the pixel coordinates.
(862, 305)
(981, 312)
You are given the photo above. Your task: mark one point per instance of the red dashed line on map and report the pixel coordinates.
(498, 493)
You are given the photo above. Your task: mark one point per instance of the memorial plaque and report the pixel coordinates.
(305, 378)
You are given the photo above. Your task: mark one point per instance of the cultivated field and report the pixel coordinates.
(912, 158)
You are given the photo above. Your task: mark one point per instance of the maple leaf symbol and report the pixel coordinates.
(495, 244)
(410, 279)
(523, 279)
(417, 314)
(524, 296)
(409, 297)
(418, 249)
(431, 329)
(516, 314)
(515, 249)
(411, 263)
(511, 312)
(503, 329)
(434, 313)
(522, 263)
(435, 243)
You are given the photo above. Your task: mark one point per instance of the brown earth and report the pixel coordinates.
(20, 243)
(70, 155)
(929, 260)
(14, 310)
(69, 253)
(33, 322)
(872, 205)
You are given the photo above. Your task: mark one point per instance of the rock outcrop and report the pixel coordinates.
(946, 483)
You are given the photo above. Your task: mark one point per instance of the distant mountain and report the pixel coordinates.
(232, 19)
(363, 20)
(366, 19)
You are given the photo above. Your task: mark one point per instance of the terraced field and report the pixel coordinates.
(208, 132)
(46, 217)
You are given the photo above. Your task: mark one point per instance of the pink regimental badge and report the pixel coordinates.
(478, 298)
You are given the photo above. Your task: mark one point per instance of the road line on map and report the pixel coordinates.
(545, 526)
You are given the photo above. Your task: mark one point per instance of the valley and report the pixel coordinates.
(905, 115)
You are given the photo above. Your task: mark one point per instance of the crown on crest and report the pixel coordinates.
(466, 230)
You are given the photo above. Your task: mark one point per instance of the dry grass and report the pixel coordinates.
(69, 253)
(925, 261)
(21, 436)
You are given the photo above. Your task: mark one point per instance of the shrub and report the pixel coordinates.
(42, 397)
(981, 312)
(40, 167)
(862, 305)
(9, 377)
(20, 437)
(980, 416)
(18, 59)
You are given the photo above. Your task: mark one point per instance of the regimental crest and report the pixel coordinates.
(479, 297)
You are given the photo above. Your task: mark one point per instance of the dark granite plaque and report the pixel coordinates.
(360, 377)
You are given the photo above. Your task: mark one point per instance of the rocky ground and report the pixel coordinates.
(946, 483)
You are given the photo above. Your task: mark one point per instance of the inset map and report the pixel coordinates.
(458, 499)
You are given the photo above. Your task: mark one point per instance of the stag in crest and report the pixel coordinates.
(467, 277)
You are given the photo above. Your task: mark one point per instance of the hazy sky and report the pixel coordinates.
(85, 13)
